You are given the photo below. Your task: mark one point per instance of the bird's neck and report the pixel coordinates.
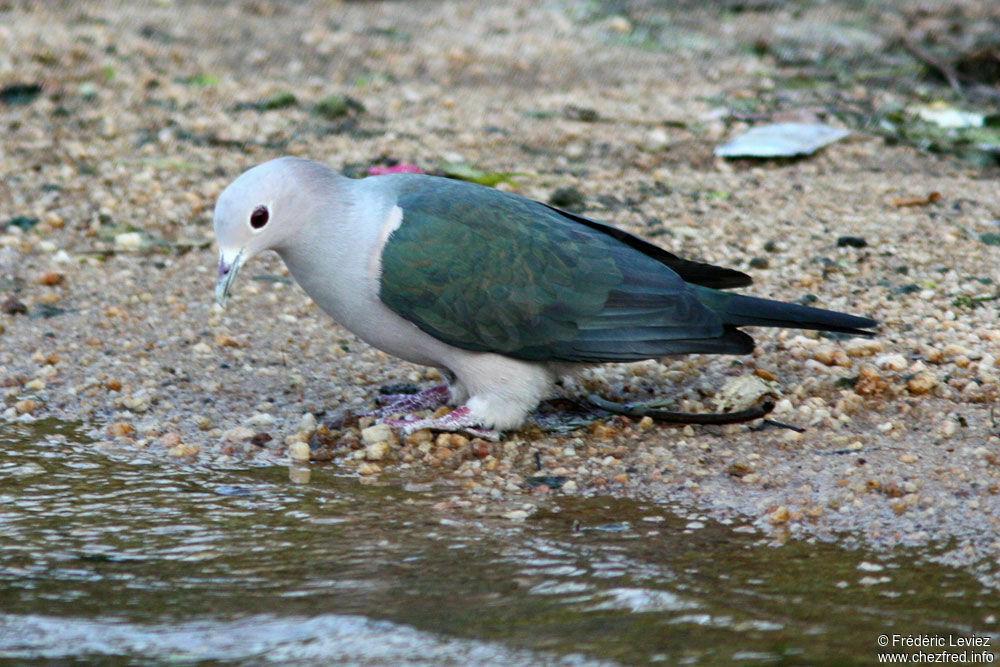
(328, 256)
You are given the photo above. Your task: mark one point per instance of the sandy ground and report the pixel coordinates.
(146, 113)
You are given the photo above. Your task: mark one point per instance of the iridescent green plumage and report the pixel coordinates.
(486, 270)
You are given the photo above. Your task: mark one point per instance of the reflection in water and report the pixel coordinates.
(126, 555)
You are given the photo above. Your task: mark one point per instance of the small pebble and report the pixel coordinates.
(299, 451)
(169, 440)
(238, 434)
(120, 429)
(377, 450)
(743, 392)
(183, 450)
(377, 433)
(602, 430)
(202, 422)
(261, 420)
(14, 307)
(869, 382)
(891, 362)
(307, 422)
(862, 347)
(451, 441)
(778, 516)
(852, 242)
(138, 402)
(921, 383)
(620, 24)
(368, 468)
(480, 448)
(128, 241)
(51, 279)
(421, 437)
(225, 340)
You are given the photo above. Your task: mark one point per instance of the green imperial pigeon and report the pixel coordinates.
(501, 293)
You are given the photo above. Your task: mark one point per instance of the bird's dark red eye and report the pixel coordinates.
(259, 217)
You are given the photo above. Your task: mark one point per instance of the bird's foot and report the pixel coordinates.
(396, 404)
(456, 420)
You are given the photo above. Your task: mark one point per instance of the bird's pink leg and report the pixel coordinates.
(456, 420)
(395, 404)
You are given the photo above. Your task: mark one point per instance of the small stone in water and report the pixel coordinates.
(367, 468)
(299, 451)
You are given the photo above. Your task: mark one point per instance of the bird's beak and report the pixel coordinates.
(228, 268)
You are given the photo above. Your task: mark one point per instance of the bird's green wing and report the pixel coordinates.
(481, 269)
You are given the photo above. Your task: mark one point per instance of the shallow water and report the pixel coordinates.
(127, 557)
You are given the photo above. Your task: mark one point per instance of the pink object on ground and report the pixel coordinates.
(401, 168)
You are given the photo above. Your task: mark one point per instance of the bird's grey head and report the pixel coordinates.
(264, 209)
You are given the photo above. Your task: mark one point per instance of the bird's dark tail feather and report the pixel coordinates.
(741, 310)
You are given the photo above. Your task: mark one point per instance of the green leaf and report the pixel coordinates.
(463, 172)
(202, 80)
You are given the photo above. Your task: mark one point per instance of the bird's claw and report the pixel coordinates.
(455, 421)
(396, 404)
